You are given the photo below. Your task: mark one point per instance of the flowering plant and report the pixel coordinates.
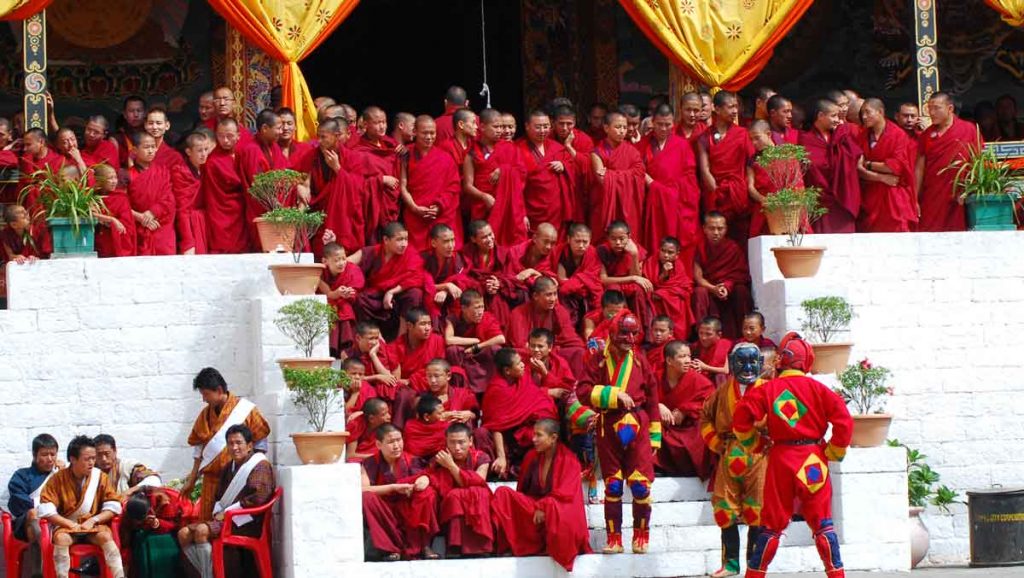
(863, 386)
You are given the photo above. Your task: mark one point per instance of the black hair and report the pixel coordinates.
(105, 440)
(77, 444)
(240, 429)
(427, 404)
(43, 441)
(210, 379)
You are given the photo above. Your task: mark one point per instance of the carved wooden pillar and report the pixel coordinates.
(34, 67)
(926, 52)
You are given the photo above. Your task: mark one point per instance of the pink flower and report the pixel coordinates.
(865, 364)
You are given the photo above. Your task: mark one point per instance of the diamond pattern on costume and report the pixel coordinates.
(738, 462)
(814, 473)
(789, 408)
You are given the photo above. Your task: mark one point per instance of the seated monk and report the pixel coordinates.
(532, 258)
(662, 331)
(431, 187)
(711, 352)
(377, 357)
(424, 434)
(362, 440)
(459, 475)
(415, 348)
(722, 277)
(395, 279)
(672, 282)
(248, 482)
(341, 282)
(544, 311)
(358, 390)
(459, 404)
(79, 502)
(753, 331)
(512, 404)
(579, 273)
(490, 266)
(545, 513)
(621, 262)
(399, 505)
(472, 338)
(448, 270)
(597, 326)
(681, 398)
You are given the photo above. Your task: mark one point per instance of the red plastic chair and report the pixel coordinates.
(260, 547)
(14, 548)
(78, 551)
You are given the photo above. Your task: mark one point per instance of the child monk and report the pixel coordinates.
(186, 180)
(711, 352)
(447, 269)
(116, 236)
(424, 435)
(459, 475)
(596, 324)
(491, 266)
(672, 282)
(682, 395)
(395, 279)
(370, 348)
(17, 244)
(621, 268)
(341, 284)
(662, 332)
(759, 181)
(753, 331)
(151, 199)
(472, 338)
(579, 273)
(362, 429)
(358, 390)
(544, 310)
(415, 348)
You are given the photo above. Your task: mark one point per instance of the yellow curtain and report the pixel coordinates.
(721, 43)
(1012, 10)
(21, 9)
(288, 30)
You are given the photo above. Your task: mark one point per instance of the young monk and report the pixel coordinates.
(780, 120)
(258, 156)
(672, 283)
(579, 273)
(682, 396)
(493, 176)
(459, 403)
(186, 178)
(617, 192)
(359, 391)
(578, 145)
(395, 279)
(117, 236)
(722, 287)
(544, 310)
(691, 125)
(157, 126)
(887, 172)
(550, 192)
(430, 187)
(621, 268)
(759, 180)
(424, 435)
(673, 197)
(724, 152)
(662, 332)
(711, 352)
(290, 147)
(17, 243)
(369, 347)
(834, 157)
(362, 439)
(492, 268)
(66, 144)
(151, 200)
(459, 475)
(472, 339)
(532, 259)
(340, 282)
(381, 158)
(948, 139)
(448, 271)
(597, 324)
(545, 513)
(753, 331)
(399, 506)
(464, 133)
(224, 195)
(415, 348)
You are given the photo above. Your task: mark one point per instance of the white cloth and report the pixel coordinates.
(123, 470)
(218, 442)
(39, 491)
(227, 500)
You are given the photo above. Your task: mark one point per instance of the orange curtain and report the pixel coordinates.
(288, 31)
(1012, 11)
(21, 9)
(720, 44)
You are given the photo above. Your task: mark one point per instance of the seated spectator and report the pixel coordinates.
(395, 278)
(369, 348)
(596, 324)
(424, 434)
(531, 259)
(722, 277)
(341, 283)
(753, 331)
(127, 476)
(682, 395)
(415, 348)
(544, 311)
(151, 517)
(662, 331)
(358, 390)
(621, 262)
(491, 267)
(362, 441)
(25, 489)
(447, 269)
(472, 337)
(672, 282)
(459, 475)
(711, 352)
(579, 273)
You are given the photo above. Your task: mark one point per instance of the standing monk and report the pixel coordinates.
(224, 194)
(257, 156)
(947, 140)
(464, 125)
(724, 151)
(381, 159)
(579, 145)
(617, 193)
(133, 120)
(690, 124)
(552, 173)
(99, 147)
(186, 180)
(430, 188)
(834, 156)
(673, 199)
(887, 174)
(780, 118)
(454, 99)
(493, 176)
(158, 125)
(224, 108)
(722, 277)
(151, 199)
(290, 148)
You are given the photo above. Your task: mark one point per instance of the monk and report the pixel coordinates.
(596, 125)
(472, 338)
(780, 120)
(99, 147)
(578, 145)
(186, 180)
(908, 117)
(597, 325)
(362, 439)
(671, 281)
(493, 177)
(632, 114)
(380, 156)
(369, 347)
(151, 199)
(662, 332)
(532, 259)
(753, 331)
(395, 280)
(761, 181)
(724, 152)
(549, 370)
(447, 270)
(415, 348)
(66, 144)
(36, 156)
(157, 126)
(722, 278)
(224, 194)
(621, 268)
(550, 192)
(949, 139)
(403, 130)
(459, 475)
(208, 436)
(358, 391)
(579, 273)
(399, 505)
(464, 127)
(290, 148)
(459, 404)
(545, 513)
(711, 351)
(118, 237)
(617, 193)
(690, 124)
(341, 282)
(682, 395)
(544, 310)
(454, 99)
(673, 199)
(424, 434)
(430, 188)
(834, 157)
(133, 120)
(261, 155)
(224, 108)
(887, 173)
(491, 266)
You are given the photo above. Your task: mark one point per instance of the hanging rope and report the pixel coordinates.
(485, 90)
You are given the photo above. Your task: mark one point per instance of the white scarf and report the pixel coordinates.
(85, 508)
(39, 491)
(218, 442)
(227, 500)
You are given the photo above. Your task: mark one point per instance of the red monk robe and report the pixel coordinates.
(110, 243)
(507, 216)
(423, 440)
(940, 210)
(432, 179)
(167, 156)
(727, 160)
(621, 196)
(582, 173)
(581, 289)
(789, 136)
(764, 185)
(672, 290)
(551, 197)
(673, 198)
(190, 220)
(340, 195)
(888, 209)
(343, 332)
(833, 168)
(724, 263)
(564, 533)
(694, 135)
(150, 190)
(224, 198)
(255, 158)
(621, 265)
(455, 150)
(500, 265)
(478, 366)
(451, 270)
(512, 408)
(105, 152)
(526, 318)
(396, 523)
(27, 167)
(465, 507)
(683, 452)
(405, 270)
(522, 260)
(414, 360)
(378, 159)
(716, 355)
(444, 126)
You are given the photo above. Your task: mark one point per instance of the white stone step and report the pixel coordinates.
(662, 514)
(664, 490)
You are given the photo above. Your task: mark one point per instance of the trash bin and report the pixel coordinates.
(997, 526)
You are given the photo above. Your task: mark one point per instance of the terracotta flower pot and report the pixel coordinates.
(831, 357)
(870, 431)
(784, 221)
(304, 362)
(798, 261)
(275, 237)
(320, 447)
(296, 278)
(920, 539)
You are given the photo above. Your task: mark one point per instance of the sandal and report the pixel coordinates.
(392, 557)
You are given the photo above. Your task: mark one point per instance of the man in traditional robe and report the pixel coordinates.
(493, 177)
(158, 126)
(632, 114)
(617, 191)
(208, 437)
(908, 117)
(690, 124)
(459, 475)
(66, 144)
(376, 355)
(133, 120)
(472, 338)
(681, 397)
(262, 154)
(381, 154)
(186, 181)
(224, 194)
(36, 156)
(403, 130)
(780, 119)
(24, 491)
(722, 277)
(99, 147)
(544, 310)
(724, 152)
(127, 476)
(579, 273)
(491, 266)
(948, 140)
(399, 505)
(762, 95)
(424, 431)
(673, 198)
(672, 282)
(447, 270)
(151, 199)
(711, 350)
(395, 279)
(246, 482)
(454, 99)
(205, 108)
(887, 174)
(834, 157)
(430, 188)
(79, 502)
(465, 128)
(545, 513)
(621, 269)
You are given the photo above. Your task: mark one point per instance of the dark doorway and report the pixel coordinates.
(403, 54)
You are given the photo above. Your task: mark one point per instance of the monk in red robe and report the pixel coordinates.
(399, 506)
(673, 199)
(672, 283)
(763, 182)
(691, 126)
(550, 193)
(157, 125)
(151, 199)
(341, 282)
(492, 267)
(834, 154)
(711, 351)
(454, 99)
(532, 259)
(115, 239)
(133, 120)
(99, 147)
(261, 155)
(949, 139)
(887, 172)
(780, 120)
(544, 310)
(578, 145)
(377, 356)
(459, 475)
(186, 179)
(36, 156)
(621, 268)
(459, 404)
(290, 148)
(424, 434)
(430, 188)
(493, 176)
(417, 347)
(380, 158)
(662, 332)
(472, 337)
(464, 133)
(722, 277)
(447, 270)
(545, 513)
(617, 191)
(549, 370)
(724, 152)
(395, 280)
(753, 331)
(224, 109)
(224, 195)
(66, 144)
(579, 273)
(362, 429)
(597, 325)
(682, 396)
(358, 391)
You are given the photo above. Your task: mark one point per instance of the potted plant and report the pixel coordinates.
(70, 207)
(791, 209)
(273, 190)
(862, 387)
(306, 322)
(921, 491)
(319, 391)
(990, 188)
(823, 318)
(296, 278)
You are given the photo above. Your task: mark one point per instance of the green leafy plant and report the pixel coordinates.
(277, 188)
(785, 164)
(794, 203)
(826, 316)
(306, 322)
(922, 480)
(319, 391)
(66, 198)
(982, 174)
(197, 489)
(862, 385)
(304, 222)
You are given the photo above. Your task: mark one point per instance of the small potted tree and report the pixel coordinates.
(320, 392)
(989, 187)
(862, 387)
(71, 207)
(296, 278)
(921, 491)
(273, 190)
(824, 317)
(306, 322)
